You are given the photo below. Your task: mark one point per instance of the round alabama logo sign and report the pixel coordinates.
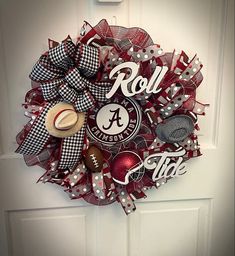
(115, 121)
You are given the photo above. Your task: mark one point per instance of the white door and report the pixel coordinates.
(189, 216)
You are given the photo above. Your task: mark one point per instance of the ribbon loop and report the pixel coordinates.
(44, 70)
(88, 61)
(61, 55)
(50, 89)
(125, 200)
(98, 185)
(76, 175)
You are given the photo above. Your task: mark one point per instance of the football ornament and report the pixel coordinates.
(111, 115)
(94, 159)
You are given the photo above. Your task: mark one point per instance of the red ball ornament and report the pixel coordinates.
(127, 166)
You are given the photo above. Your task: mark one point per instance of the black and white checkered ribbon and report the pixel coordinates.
(63, 74)
(38, 134)
(71, 149)
(89, 60)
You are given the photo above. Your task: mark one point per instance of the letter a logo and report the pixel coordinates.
(115, 118)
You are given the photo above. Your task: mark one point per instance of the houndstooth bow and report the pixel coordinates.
(64, 74)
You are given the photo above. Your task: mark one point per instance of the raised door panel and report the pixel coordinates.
(58, 231)
(170, 228)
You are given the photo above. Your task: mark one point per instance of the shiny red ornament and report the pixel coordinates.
(127, 166)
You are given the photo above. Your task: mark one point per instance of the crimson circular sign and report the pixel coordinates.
(115, 121)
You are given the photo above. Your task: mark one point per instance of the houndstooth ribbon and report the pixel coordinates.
(63, 73)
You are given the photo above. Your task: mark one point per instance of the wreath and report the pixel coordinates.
(111, 115)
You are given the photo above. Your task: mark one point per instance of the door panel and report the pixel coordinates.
(171, 228)
(51, 231)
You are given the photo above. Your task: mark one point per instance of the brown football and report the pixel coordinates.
(94, 159)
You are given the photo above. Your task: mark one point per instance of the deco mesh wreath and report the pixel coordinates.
(111, 115)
